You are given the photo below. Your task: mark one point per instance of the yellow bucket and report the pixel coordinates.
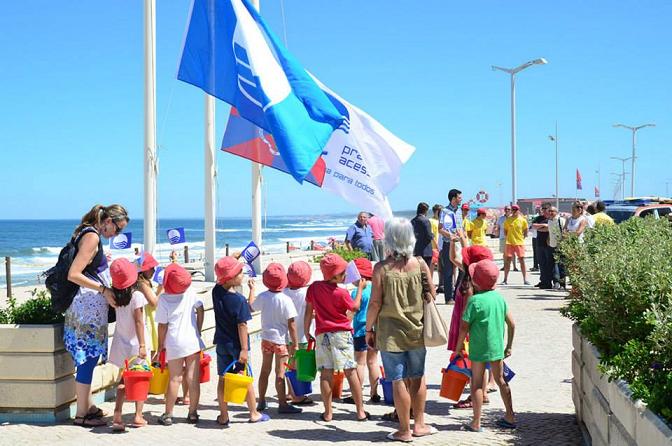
(235, 385)
(160, 377)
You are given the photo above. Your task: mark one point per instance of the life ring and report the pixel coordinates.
(482, 196)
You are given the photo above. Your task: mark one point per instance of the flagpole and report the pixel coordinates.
(256, 197)
(210, 189)
(150, 163)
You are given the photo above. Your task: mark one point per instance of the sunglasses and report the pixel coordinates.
(117, 229)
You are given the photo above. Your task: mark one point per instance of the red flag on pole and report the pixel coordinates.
(578, 180)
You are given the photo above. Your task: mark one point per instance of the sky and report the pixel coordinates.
(71, 91)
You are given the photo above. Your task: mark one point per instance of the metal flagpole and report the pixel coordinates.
(210, 189)
(150, 164)
(256, 198)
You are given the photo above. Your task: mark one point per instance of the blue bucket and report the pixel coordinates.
(508, 373)
(300, 387)
(388, 393)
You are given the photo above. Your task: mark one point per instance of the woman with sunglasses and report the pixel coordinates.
(85, 327)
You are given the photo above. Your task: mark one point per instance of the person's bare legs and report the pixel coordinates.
(175, 369)
(523, 268)
(185, 386)
(119, 403)
(402, 404)
(374, 370)
(223, 405)
(477, 373)
(504, 389)
(251, 401)
(266, 366)
(507, 267)
(360, 358)
(280, 379)
(139, 419)
(418, 392)
(193, 375)
(491, 381)
(326, 383)
(356, 391)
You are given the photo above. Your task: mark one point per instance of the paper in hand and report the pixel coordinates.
(351, 273)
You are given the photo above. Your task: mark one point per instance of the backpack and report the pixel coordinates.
(63, 291)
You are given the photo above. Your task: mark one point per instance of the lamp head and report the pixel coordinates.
(540, 61)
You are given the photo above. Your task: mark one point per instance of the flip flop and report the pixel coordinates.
(264, 417)
(323, 418)
(138, 425)
(367, 417)
(88, 421)
(467, 427)
(118, 427)
(375, 398)
(432, 431)
(193, 418)
(505, 424)
(306, 401)
(464, 404)
(348, 400)
(391, 437)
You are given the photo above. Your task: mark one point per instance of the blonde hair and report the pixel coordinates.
(100, 213)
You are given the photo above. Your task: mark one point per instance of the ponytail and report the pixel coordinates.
(99, 213)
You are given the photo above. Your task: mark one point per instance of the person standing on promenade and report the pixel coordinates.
(577, 223)
(85, 326)
(394, 326)
(359, 235)
(466, 223)
(601, 217)
(515, 228)
(555, 225)
(479, 228)
(449, 223)
(501, 234)
(535, 250)
(437, 243)
(540, 224)
(377, 225)
(422, 230)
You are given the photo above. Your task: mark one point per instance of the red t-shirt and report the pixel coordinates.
(330, 303)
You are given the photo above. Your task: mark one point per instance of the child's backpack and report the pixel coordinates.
(63, 291)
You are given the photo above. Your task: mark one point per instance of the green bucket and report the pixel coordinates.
(306, 367)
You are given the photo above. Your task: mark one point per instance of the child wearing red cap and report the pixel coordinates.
(364, 355)
(180, 318)
(483, 319)
(129, 332)
(478, 228)
(277, 319)
(232, 313)
(334, 349)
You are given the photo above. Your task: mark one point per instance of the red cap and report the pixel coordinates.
(298, 274)
(484, 274)
(364, 267)
(274, 277)
(465, 207)
(473, 254)
(124, 274)
(227, 268)
(176, 279)
(481, 211)
(148, 262)
(332, 265)
(515, 207)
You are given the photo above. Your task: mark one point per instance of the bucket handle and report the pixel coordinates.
(131, 359)
(454, 362)
(247, 370)
(311, 344)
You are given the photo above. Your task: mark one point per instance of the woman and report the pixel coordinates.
(85, 331)
(396, 312)
(577, 223)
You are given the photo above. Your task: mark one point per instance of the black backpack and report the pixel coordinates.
(63, 291)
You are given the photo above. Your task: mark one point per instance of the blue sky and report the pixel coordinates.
(71, 89)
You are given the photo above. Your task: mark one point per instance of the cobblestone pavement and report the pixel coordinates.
(541, 396)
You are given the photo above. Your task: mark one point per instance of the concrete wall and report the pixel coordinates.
(606, 408)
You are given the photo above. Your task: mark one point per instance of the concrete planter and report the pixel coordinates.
(606, 409)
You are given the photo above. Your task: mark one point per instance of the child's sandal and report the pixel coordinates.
(192, 418)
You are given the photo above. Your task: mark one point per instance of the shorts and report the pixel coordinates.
(502, 245)
(335, 351)
(517, 250)
(225, 356)
(360, 344)
(271, 347)
(401, 365)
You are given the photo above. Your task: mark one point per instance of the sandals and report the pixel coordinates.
(88, 421)
(375, 398)
(261, 406)
(223, 424)
(192, 418)
(166, 420)
(323, 418)
(306, 401)
(367, 417)
(348, 400)
(264, 417)
(468, 428)
(463, 404)
(505, 424)
(118, 427)
(98, 413)
(432, 431)
(392, 416)
(391, 437)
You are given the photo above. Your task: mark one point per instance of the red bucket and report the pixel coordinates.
(455, 378)
(205, 367)
(136, 383)
(337, 385)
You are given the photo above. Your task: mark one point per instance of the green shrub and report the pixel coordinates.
(622, 299)
(345, 253)
(36, 310)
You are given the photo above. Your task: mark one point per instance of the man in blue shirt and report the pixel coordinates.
(449, 223)
(359, 236)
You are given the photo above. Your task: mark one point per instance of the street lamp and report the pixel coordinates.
(557, 193)
(512, 72)
(622, 160)
(633, 157)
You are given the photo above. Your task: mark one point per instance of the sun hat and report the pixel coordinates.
(481, 211)
(476, 253)
(465, 207)
(227, 268)
(484, 274)
(176, 279)
(332, 265)
(275, 277)
(364, 267)
(124, 274)
(515, 207)
(148, 262)
(298, 274)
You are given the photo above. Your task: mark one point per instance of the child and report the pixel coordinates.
(298, 277)
(483, 319)
(334, 347)
(180, 318)
(277, 318)
(365, 357)
(233, 343)
(129, 332)
(148, 266)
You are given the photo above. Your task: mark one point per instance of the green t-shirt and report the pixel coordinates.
(486, 314)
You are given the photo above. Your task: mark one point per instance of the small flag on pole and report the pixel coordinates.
(597, 192)
(176, 235)
(578, 180)
(250, 253)
(121, 241)
(248, 270)
(158, 275)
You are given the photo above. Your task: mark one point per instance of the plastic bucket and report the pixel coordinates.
(337, 385)
(452, 384)
(136, 383)
(300, 388)
(388, 392)
(160, 376)
(205, 367)
(306, 367)
(235, 385)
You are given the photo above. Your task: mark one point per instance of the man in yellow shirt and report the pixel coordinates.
(515, 228)
(601, 218)
(478, 228)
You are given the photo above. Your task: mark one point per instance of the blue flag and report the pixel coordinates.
(248, 270)
(176, 235)
(250, 252)
(121, 241)
(231, 54)
(158, 275)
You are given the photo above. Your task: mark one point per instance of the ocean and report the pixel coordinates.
(33, 245)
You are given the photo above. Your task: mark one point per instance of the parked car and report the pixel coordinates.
(622, 210)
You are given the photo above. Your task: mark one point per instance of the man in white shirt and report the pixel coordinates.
(555, 225)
